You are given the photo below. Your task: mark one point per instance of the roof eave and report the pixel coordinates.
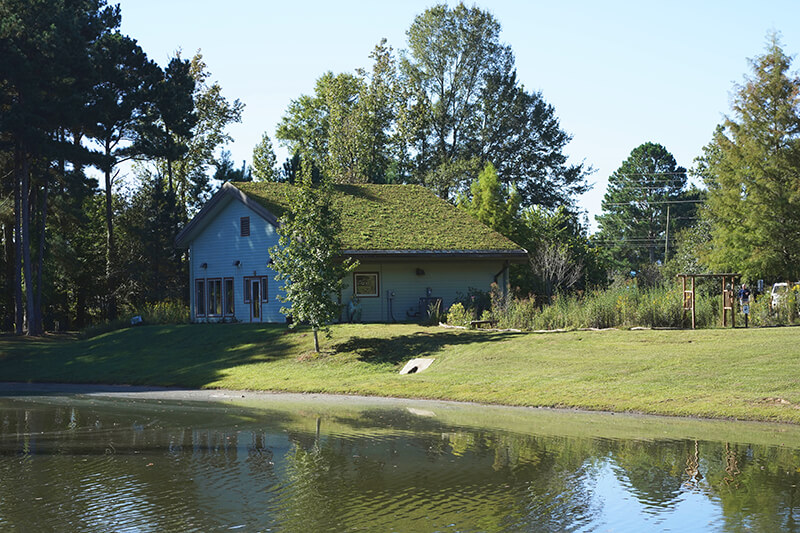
(513, 256)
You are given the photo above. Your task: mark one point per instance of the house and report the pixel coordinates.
(413, 249)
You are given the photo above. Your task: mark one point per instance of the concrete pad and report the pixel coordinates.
(417, 365)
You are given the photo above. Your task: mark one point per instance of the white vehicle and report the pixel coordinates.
(778, 293)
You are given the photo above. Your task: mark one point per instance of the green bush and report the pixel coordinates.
(458, 316)
(475, 302)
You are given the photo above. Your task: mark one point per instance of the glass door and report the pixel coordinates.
(255, 301)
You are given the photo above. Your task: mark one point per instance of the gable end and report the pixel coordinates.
(226, 193)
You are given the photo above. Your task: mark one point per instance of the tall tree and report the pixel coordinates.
(647, 185)
(125, 81)
(451, 54)
(215, 113)
(45, 84)
(307, 257)
(462, 101)
(752, 170)
(265, 164)
(344, 128)
(167, 128)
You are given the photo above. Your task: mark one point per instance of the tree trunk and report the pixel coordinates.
(316, 339)
(27, 271)
(19, 316)
(10, 257)
(80, 306)
(110, 248)
(40, 260)
(169, 175)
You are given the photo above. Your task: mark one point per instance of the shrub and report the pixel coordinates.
(475, 301)
(458, 316)
(434, 314)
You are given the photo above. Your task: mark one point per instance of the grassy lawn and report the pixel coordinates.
(746, 374)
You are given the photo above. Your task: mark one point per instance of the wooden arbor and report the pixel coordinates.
(728, 296)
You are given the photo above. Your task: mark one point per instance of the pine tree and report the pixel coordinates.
(634, 220)
(490, 203)
(752, 170)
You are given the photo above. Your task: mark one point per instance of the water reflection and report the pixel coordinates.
(102, 464)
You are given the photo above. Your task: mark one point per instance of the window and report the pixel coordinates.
(244, 226)
(214, 297)
(200, 298)
(365, 284)
(248, 291)
(228, 296)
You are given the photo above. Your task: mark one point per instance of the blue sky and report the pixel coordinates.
(618, 73)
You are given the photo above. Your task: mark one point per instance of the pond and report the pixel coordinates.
(121, 460)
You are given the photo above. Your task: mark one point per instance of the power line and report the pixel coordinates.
(657, 203)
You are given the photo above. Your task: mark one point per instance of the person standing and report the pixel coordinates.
(744, 301)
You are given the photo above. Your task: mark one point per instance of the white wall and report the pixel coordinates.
(446, 280)
(220, 244)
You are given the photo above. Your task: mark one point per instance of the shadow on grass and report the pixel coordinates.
(168, 356)
(402, 347)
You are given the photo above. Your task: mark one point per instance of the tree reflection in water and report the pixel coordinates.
(99, 465)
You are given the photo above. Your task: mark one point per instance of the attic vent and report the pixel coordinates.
(244, 226)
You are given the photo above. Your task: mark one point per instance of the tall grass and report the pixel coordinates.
(628, 306)
(622, 306)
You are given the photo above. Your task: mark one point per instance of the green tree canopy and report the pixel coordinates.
(752, 170)
(462, 100)
(307, 257)
(451, 104)
(490, 204)
(647, 185)
(343, 129)
(265, 164)
(561, 255)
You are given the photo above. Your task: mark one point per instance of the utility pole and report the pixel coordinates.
(666, 239)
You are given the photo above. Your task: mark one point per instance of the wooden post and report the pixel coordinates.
(724, 314)
(683, 301)
(693, 315)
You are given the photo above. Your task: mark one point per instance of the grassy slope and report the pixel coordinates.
(746, 374)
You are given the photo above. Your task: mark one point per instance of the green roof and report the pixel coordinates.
(392, 217)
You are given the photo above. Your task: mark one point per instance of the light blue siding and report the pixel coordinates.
(219, 245)
(446, 279)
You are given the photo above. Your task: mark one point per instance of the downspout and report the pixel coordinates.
(504, 273)
(192, 318)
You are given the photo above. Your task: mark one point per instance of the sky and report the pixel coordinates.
(618, 74)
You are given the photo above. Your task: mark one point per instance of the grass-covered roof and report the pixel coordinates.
(392, 217)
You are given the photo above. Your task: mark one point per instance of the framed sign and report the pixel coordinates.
(365, 285)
